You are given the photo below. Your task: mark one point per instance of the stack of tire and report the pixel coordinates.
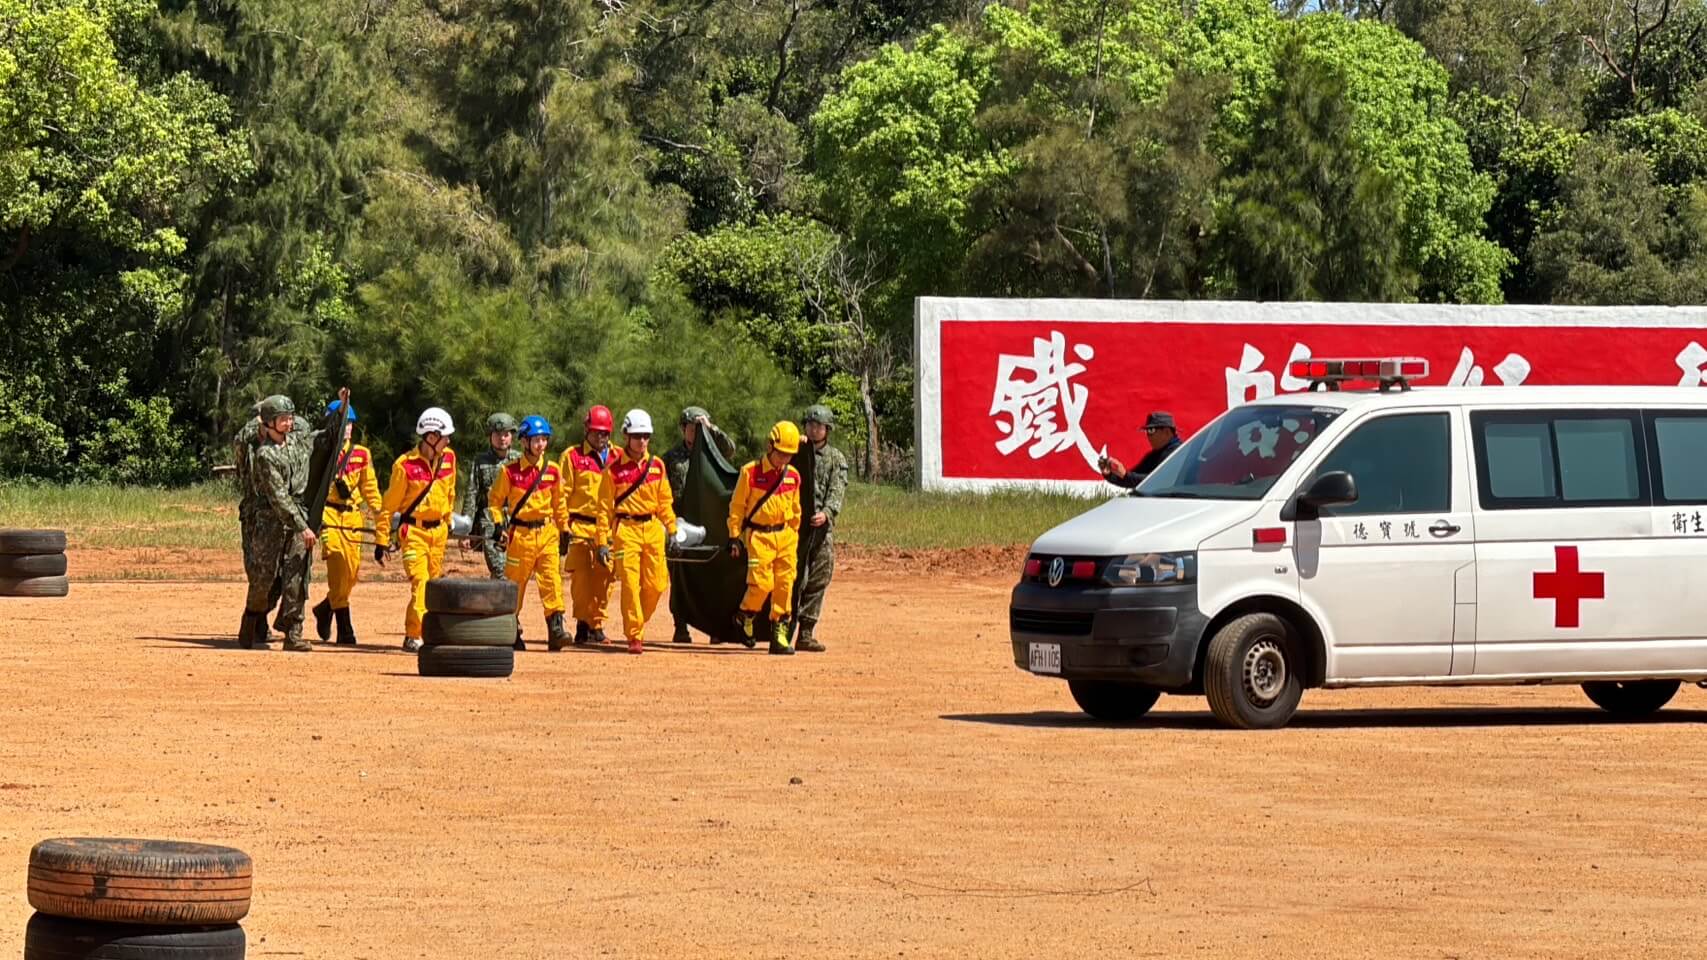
(469, 629)
(101, 899)
(32, 563)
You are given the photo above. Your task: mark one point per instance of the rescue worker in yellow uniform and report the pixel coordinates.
(764, 528)
(419, 500)
(529, 508)
(583, 469)
(636, 522)
(341, 521)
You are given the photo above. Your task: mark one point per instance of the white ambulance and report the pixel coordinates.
(1387, 535)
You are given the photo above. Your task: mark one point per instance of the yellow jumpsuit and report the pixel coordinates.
(772, 536)
(589, 580)
(341, 525)
(635, 531)
(423, 540)
(532, 551)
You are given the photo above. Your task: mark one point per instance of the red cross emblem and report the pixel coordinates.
(1567, 586)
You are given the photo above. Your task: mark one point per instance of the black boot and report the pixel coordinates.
(556, 637)
(323, 620)
(598, 636)
(583, 633)
(253, 632)
(805, 640)
(519, 644)
(346, 630)
(682, 634)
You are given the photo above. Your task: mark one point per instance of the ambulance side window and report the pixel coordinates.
(1402, 464)
(1564, 458)
(1680, 442)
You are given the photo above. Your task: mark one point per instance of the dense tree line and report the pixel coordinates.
(540, 204)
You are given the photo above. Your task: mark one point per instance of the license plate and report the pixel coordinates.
(1046, 658)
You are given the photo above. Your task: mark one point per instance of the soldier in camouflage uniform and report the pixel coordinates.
(243, 456)
(280, 540)
(501, 433)
(830, 472)
(694, 422)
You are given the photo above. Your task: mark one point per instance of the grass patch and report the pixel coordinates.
(890, 517)
(101, 516)
(205, 516)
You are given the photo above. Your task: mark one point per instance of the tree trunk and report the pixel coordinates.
(871, 438)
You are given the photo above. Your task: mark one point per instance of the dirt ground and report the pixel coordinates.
(909, 794)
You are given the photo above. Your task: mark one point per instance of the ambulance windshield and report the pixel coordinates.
(1240, 454)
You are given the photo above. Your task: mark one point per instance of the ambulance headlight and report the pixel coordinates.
(1142, 569)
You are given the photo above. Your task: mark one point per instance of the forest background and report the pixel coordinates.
(535, 205)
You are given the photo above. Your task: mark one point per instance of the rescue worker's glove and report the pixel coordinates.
(737, 549)
(563, 546)
(379, 554)
(604, 556)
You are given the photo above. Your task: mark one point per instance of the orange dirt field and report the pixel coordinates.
(908, 794)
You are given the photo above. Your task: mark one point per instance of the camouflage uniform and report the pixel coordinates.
(829, 491)
(481, 475)
(278, 481)
(243, 455)
(676, 462)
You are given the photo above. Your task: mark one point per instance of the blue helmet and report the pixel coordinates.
(337, 405)
(534, 426)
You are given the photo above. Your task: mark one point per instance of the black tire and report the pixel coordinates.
(57, 938)
(1631, 698)
(469, 596)
(34, 586)
(466, 630)
(14, 540)
(20, 565)
(1113, 701)
(156, 882)
(467, 661)
(1252, 675)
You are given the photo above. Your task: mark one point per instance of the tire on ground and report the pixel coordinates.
(15, 540)
(1113, 701)
(1252, 675)
(468, 630)
(21, 565)
(1631, 698)
(56, 938)
(160, 882)
(34, 586)
(477, 597)
(467, 661)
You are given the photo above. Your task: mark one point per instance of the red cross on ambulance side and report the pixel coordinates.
(1567, 585)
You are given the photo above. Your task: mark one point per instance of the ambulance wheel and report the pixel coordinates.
(1631, 698)
(1251, 675)
(1113, 701)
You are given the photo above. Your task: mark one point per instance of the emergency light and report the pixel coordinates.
(1387, 372)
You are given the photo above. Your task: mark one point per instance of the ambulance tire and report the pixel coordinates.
(21, 565)
(485, 662)
(468, 630)
(1631, 698)
(1113, 701)
(158, 882)
(56, 938)
(484, 597)
(13, 540)
(34, 587)
(1252, 675)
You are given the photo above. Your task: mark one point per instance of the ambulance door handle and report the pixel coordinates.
(1443, 529)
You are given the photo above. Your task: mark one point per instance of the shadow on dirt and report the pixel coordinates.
(1414, 717)
(227, 643)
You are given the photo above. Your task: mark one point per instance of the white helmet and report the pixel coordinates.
(434, 420)
(637, 422)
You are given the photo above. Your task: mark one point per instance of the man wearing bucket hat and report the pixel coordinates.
(482, 473)
(1164, 438)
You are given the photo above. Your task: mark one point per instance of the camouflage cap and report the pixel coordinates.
(818, 413)
(273, 407)
(499, 422)
(692, 414)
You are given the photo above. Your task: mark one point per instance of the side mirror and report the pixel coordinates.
(1328, 490)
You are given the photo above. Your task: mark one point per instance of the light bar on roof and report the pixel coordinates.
(1383, 370)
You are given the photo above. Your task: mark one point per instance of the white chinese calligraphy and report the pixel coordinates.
(1248, 382)
(1042, 404)
(1693, 362)
(1512, 371)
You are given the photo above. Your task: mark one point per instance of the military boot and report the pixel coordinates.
(557, 637)
(598, 636)
(806, 641)
(583, 633)
(346, 630)
(253, 632)
(323, 620)
(519, 644)
(682, 635)
(779, 640)
(295, 643)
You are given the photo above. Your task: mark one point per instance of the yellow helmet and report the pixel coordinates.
(785, 436)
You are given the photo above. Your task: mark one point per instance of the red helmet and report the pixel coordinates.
(599, 418)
